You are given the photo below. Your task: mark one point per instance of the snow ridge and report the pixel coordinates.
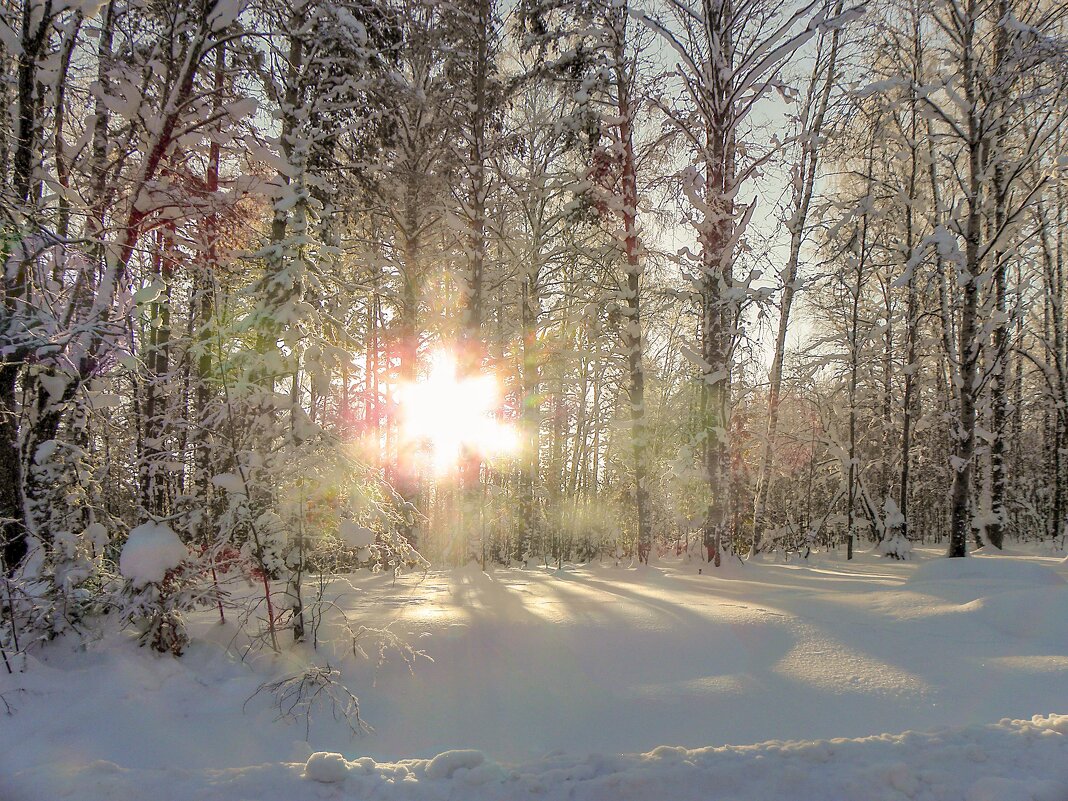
(1013, 760)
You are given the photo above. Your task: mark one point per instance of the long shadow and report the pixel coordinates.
(718, 646)
(765, 658)
(889, 640)
(797, 578)
(668, 610)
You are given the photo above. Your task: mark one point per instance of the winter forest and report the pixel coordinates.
(358, 358)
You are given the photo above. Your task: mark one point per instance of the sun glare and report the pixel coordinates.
(450, 415)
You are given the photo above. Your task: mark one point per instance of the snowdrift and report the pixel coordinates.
(871, 679)
(1013, 760)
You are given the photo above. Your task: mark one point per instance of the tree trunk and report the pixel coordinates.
(912, 301)
(968, 342)
(995, 530)
(12, 527)
(531, 412)
(632, 323)
(12, 491)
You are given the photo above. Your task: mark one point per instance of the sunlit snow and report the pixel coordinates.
(594, 682)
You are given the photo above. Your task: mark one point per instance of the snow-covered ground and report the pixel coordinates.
(949, 677)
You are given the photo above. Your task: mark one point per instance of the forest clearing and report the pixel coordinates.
(591, 682)
(595, 399)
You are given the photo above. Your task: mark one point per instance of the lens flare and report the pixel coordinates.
(451, 417)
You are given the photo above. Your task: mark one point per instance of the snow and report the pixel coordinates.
(150, 551)
(149, 293)
(811, 680)
(993, 570)
(97, 534)
(230, 482)
(354, 535)
(445, 764)
(326, 767)
(1007, 761)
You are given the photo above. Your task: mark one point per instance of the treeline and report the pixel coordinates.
(752, 276)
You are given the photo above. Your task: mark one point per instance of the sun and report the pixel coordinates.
(450, 417)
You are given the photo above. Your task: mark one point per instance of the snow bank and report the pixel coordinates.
(1013, 760)
(150, 551)
(999, 569)
(444, 765)
(1024, 601)
(1038, 616)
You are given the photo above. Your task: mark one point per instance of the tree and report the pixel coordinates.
(810, 133)
(729, 58)
(972, 103)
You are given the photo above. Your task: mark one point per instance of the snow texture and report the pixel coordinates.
(150, 551)
(230, 482)
(444, 765)
(869, 680)
(1012, 760)
(326, 767)
(354, 535)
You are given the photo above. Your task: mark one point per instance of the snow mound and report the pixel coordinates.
(1038, 616)
(994, 569)
(150, 551)
(444, 765)
(326, 767)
